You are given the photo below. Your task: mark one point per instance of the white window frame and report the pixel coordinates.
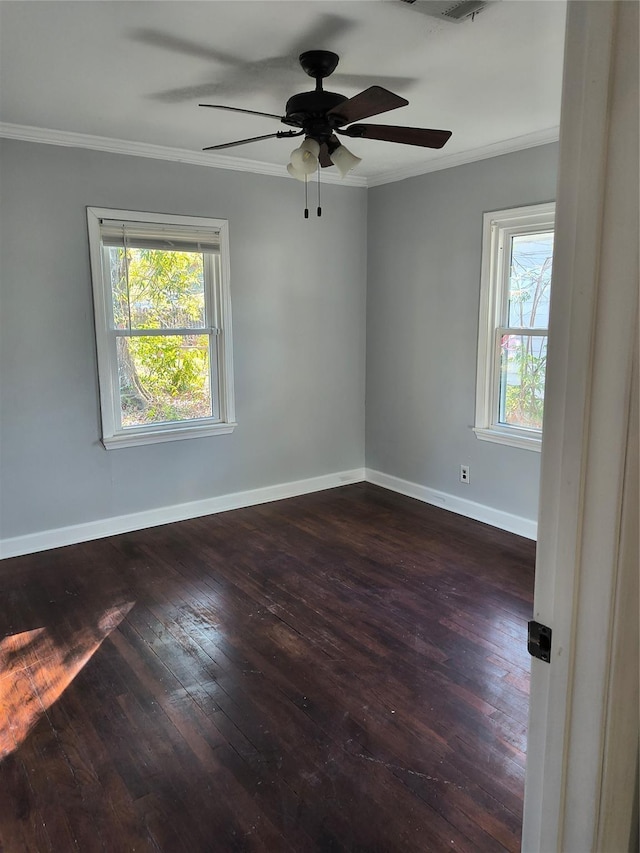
(219, 330)
(499, 226)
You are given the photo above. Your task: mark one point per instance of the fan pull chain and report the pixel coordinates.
(306, 199)
(319, 211)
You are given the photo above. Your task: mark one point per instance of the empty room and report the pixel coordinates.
(318, 426)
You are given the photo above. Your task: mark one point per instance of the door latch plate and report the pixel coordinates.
(539, 641)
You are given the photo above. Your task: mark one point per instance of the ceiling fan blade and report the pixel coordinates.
(406, 135)
(371, 102)
(244, 141)
(240, 110)
(323, 156)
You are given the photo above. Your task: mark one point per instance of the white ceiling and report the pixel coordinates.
(136, 71)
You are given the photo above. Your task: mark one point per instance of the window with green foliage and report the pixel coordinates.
(514, 319)
(163, 324)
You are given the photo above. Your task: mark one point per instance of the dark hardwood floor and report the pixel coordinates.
(344, 671)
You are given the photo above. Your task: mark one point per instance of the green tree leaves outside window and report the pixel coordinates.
(162, 377)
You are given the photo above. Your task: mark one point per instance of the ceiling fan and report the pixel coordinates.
(320, 115)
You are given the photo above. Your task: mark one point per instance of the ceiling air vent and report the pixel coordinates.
(463, 10)
(466, 9)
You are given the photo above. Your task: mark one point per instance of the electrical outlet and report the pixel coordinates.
(465, 476)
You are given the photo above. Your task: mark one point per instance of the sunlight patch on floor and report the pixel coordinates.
(37, 666)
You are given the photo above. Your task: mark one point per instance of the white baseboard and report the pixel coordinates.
(46, 539)
(42, 541)
(479, 512)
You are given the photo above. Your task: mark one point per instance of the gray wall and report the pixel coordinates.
(298, 294)
(424, 252)
(300, 298)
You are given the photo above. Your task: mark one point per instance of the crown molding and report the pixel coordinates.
(47, 136)
(70, 139)
(448, 161)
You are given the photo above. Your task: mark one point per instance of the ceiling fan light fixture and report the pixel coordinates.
(305, 158)
(318, 115)
(296, 173)
(344, 160)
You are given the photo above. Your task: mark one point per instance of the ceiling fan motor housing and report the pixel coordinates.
(308, 110)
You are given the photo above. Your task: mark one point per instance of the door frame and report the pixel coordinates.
(585, 571)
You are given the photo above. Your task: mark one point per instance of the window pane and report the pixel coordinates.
(159, 290)
(523, 360)
(530, 280)
(163, 378)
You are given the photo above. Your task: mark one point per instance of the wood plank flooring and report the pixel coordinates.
(343, 671)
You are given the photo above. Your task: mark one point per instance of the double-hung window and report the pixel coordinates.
(513, 329)
(163, 326)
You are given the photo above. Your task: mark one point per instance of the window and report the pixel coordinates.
(514, 317)
(163, 326)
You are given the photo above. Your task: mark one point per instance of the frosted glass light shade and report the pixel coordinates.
(296, 173)
(305, 158)
(344, 160)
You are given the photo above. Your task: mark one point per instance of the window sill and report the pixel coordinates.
(524, 440)
(134, 439)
